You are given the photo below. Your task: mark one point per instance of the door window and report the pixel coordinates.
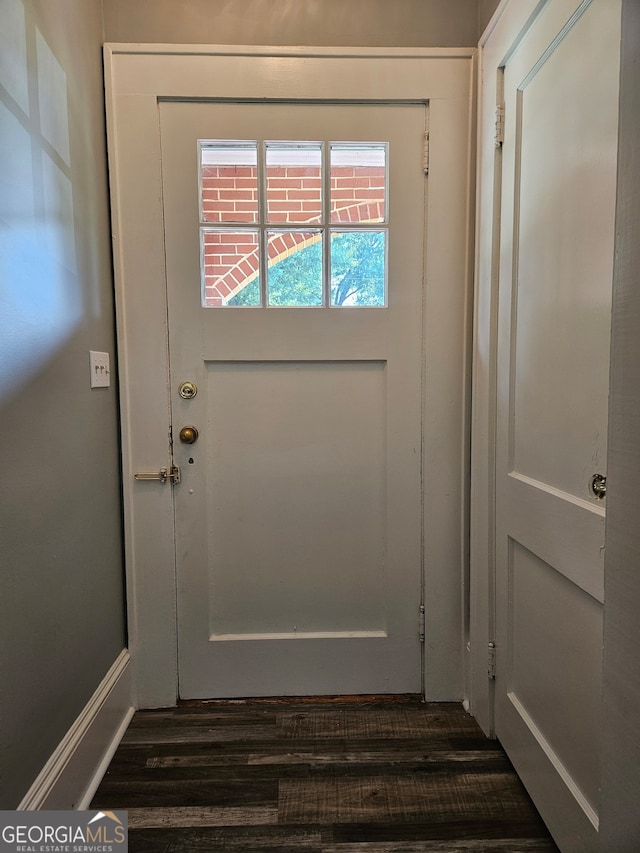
(301, 211)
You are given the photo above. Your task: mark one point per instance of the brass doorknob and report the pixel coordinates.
(188, 435)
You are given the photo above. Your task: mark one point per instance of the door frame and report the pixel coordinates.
(508, 25)
(136, 78)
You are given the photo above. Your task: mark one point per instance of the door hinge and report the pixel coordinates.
(491, 666)
(421, 612)
(499, 138)
(425, 153)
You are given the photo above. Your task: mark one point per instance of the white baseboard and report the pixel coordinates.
(73, 772)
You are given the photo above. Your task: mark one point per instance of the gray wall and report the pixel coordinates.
(411, 23)
(486, 8)
(61, 603)
(620, 815)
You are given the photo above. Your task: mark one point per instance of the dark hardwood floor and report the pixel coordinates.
(327, 776)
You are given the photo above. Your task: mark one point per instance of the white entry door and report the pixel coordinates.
(557, 238)
(294, 252)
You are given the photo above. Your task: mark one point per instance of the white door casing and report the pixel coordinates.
(556, 175)
(137, 78)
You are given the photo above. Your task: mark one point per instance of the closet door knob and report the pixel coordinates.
(599, 486)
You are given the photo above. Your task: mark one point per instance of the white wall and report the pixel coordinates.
(61, 605)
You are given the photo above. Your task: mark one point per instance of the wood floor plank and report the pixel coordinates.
(508, 845)
(465, 828)
(439, 775)
(393, 798)
(115, 794)
(274, 839)
(198, 734)
(396, 723)
(391, 756)
(157, 818)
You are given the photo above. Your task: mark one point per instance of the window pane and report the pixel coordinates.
(294, 183)
(295, 268)
(229, 181)
(231, 265)
(358, 183)
(358, 267)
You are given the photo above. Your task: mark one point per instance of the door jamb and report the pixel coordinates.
(506, 29)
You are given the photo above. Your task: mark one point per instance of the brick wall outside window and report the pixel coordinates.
(230, 195)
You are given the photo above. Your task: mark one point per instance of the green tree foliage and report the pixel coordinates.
(249, 295)
(297, 280)
(357, 273)
(357, 268)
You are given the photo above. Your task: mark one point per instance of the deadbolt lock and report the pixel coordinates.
(188, 390)
(188, 435)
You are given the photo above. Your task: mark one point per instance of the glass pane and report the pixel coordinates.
(294, 183)
(231, 267)
(229, 182)
(358, 183)
(295, 268)
(358, 267)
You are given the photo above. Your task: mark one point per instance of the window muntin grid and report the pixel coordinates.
(313, 215)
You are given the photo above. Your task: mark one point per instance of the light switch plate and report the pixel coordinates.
(100, 369)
